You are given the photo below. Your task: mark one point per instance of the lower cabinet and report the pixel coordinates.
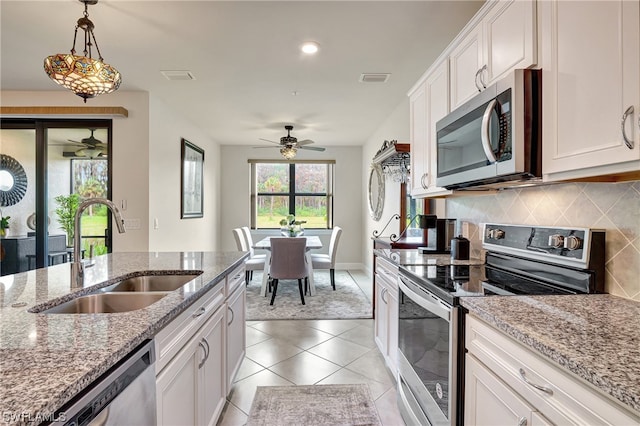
(386, 319)
(236, 332)
(199, 354)
(509, 383)
(190, 390)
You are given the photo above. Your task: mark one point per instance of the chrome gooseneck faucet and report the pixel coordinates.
(77, 267)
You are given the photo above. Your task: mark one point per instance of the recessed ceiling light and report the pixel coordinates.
(310, 47)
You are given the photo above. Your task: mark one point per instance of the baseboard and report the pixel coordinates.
(351, 266)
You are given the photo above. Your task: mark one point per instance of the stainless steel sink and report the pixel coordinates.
(106, 303)
(152, 283)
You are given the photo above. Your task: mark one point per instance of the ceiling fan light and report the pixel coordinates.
(310, 47)
(288, 152)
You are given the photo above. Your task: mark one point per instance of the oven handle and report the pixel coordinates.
(486, 133)
(434, 305)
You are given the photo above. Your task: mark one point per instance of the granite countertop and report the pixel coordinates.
(596, 337)
(46, 359)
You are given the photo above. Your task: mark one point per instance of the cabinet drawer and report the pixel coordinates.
(177, 333)
(567, 399)
(233, 280)
(387, 271)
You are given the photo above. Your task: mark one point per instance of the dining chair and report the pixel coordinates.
(255, 262)
(288, 262)
(328, 261)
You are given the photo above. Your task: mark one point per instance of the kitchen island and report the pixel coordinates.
(47, 359)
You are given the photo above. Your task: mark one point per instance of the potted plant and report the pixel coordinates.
(66, 211)
(4, 224)
(290, 227)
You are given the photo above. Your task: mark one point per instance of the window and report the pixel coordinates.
(300, 188)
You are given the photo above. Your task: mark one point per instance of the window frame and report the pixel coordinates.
(292, 194)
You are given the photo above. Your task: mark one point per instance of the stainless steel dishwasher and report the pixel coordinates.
(125, 395)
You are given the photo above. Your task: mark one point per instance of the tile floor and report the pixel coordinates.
(304, 352)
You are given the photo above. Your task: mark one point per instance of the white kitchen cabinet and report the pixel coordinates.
(505, 380)
(190, 390)
(236, 334)
(590, 57)
(489, 401)
(428, 103)
(502, 38)
(386, 319)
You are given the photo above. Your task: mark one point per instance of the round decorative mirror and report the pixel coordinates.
(376, 192)
(13, 181)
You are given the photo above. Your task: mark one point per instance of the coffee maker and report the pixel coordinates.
(439, 235)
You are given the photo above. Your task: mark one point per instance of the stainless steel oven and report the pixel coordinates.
(428, 347)
(520, 260)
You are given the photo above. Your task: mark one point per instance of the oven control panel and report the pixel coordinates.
(553, 244)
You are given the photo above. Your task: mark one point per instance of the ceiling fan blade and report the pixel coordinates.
(267, 140)
(305, 142)
(312, 148)
(75, 142)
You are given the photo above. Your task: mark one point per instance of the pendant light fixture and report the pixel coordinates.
(83, 75)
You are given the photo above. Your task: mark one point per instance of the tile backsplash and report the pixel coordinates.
(614, 207)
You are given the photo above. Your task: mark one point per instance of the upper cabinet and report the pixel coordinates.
(502, 38)
(428, 103)
(590, 57)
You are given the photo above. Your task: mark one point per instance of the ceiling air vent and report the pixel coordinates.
(178, 75)
(374, 77)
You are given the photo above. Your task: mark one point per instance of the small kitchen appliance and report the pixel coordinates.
(520, 260)
(494, 137)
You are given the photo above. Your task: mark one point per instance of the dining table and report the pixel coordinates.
(313, 242)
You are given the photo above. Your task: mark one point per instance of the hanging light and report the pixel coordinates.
(83, 75)
(288, 152)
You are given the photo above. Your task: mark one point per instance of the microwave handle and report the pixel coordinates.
(485, 133)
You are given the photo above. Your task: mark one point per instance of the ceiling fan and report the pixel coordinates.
(90, 147)
(289, 145)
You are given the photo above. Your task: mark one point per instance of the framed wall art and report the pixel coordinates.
(192, 175)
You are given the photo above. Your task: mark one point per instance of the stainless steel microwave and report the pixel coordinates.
(494, 138)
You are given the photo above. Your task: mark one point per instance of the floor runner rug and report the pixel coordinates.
(346, 302)
(327, 405)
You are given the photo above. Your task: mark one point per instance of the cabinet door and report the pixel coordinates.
(591, 76)
(212, 373)
(437, 85)
(510, 39)
(392, 330)
(382, 313)
(465, 62)
(177, 387)
(488, 401)
(236, 333)
(418, 138)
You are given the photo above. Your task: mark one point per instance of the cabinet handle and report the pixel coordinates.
(424, 185)
(206, 354)
(232, 315)
(476, 80)
(539, 387)
(484, 68)
(627, 141)
(199, 312)
(522, 421)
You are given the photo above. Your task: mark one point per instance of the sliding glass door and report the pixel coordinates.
(65, 161)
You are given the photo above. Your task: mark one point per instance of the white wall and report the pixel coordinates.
(146, 169)
(396, 126)
(173, 233)
(348, 209)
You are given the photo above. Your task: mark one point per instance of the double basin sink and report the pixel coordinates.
(127, 295)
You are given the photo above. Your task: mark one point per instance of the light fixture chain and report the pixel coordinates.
(95, 42)
(75, 35)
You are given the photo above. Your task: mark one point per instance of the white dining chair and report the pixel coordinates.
(288, 262)
(255, 262)
(328, 261)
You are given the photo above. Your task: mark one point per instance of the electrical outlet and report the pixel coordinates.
(131, 224)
